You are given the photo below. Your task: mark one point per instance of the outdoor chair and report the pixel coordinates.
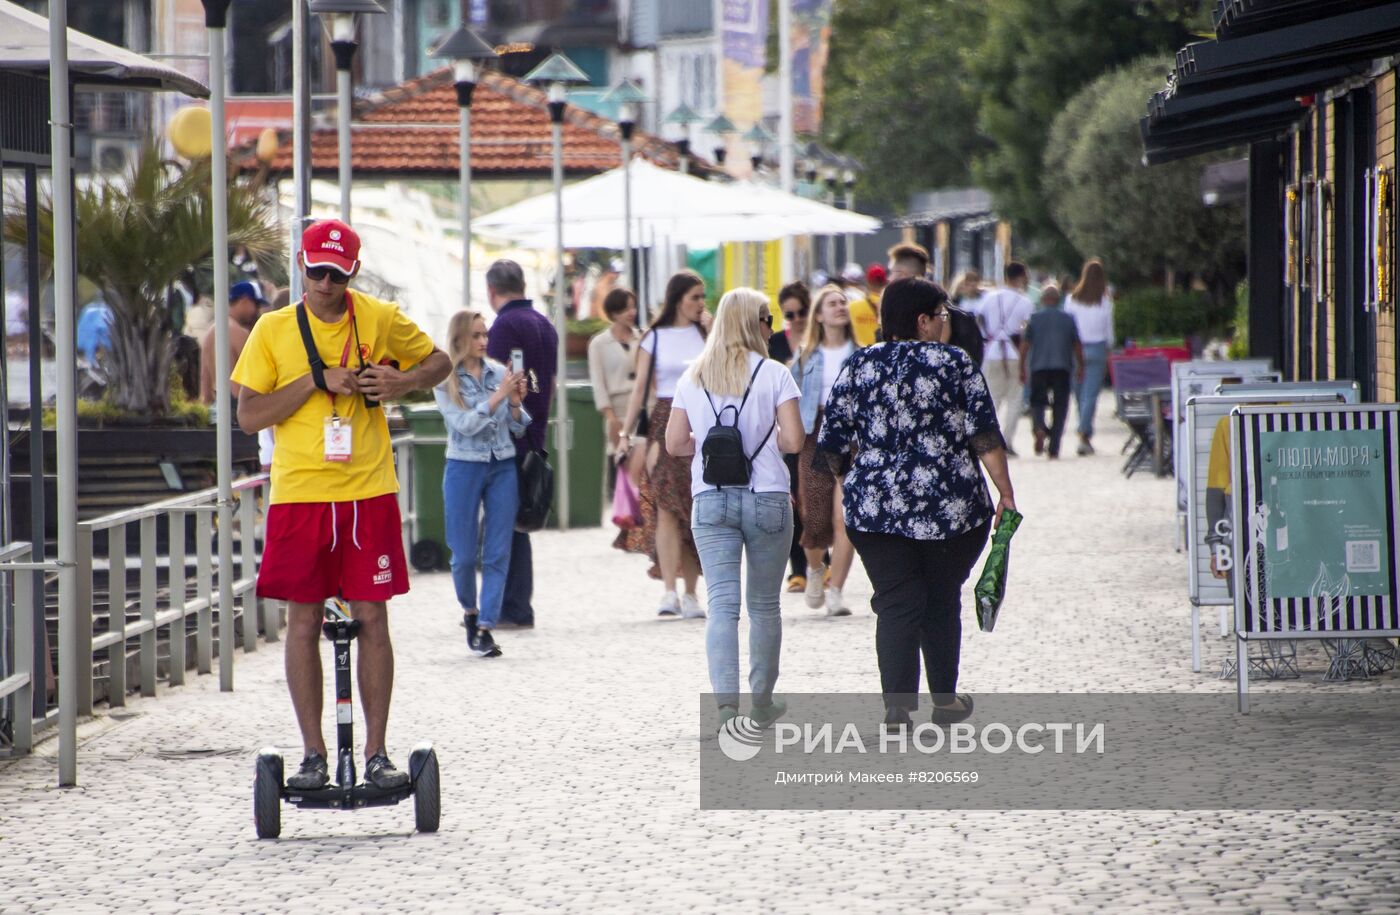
(1132, 380)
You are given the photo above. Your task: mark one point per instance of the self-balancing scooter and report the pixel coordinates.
(269, 790)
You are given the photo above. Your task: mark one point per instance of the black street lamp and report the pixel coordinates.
(627, 95)
(556, 74)
(340, 18)
(683, 116)
(723, 128)
(465, 49)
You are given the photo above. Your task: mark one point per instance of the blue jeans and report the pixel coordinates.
(1095, 366)
(467, 488)
(726, 524)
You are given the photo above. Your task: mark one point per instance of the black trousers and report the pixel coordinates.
(796, 556)
(520, 575)
(918, 608)
(1050, 387)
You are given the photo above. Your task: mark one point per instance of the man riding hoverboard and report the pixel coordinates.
(317, 372)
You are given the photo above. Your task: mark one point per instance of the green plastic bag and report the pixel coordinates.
(991, 585)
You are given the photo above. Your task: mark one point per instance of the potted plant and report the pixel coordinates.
(137, 234)
(578, 335)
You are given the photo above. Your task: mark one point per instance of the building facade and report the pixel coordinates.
(1311, 90)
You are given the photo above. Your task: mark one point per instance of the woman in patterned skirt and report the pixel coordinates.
(671, 343)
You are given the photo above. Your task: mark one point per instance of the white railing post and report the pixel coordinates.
(247, 531)
(147, 653)
(24, 656)
(177, 586)
(204, 634)
(116, 614)
(84, 634)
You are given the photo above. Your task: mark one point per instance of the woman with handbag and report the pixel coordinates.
(481, 406)
(916, 414)
(734, 413)
(672, 342)
(829, 342)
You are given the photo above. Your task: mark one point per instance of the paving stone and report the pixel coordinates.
(570, 777)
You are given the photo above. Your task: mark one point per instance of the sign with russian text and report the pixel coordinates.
(1315, 494)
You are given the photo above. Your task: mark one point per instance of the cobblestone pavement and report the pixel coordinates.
(570, 765)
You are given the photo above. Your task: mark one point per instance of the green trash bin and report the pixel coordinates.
(428, 537)
(585, 458)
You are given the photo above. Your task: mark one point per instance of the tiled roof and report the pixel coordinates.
(510, 134)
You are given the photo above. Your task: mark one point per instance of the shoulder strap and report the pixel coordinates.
(318, 367)
(742, 401)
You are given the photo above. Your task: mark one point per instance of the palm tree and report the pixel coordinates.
(137, 234)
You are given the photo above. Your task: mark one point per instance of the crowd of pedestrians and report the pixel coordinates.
(866, 425)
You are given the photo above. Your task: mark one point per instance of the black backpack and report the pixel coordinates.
(722, 454)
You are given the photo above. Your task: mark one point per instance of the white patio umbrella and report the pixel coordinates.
(684, 209)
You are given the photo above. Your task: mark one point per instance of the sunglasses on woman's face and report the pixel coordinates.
(794, 315)
(316, 274)
(766, 319)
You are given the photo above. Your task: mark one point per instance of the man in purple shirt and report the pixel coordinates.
(519, 326)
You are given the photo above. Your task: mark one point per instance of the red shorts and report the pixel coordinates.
(318, 550)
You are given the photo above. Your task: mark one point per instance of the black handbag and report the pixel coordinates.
(536, 479)
(644, 421)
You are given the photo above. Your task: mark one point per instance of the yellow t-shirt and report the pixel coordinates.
(275, 356)
(865, 319)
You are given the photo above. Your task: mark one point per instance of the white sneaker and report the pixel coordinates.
(835, 606)
(670, 605)
(690, 608)
(815, 578)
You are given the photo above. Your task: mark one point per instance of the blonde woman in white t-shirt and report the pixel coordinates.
(734, 378)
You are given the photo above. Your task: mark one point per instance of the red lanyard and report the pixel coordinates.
(345, 353)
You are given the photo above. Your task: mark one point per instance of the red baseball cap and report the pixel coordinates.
(331, 243)
(875, 274)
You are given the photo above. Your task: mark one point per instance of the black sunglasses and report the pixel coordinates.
(766, 318)
(794, 315)
(316, 274)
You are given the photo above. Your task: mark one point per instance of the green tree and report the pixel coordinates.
(137, 234)
(898, 96)
(1033, 56)
(1143, 222)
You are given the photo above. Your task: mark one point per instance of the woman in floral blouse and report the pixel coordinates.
(907, 423)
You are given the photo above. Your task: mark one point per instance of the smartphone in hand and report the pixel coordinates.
(517, 360)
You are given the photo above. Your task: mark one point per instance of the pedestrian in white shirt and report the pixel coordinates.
(1003, 313)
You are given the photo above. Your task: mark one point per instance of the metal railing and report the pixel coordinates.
(18, 687)
(153, 611)
(179, 606)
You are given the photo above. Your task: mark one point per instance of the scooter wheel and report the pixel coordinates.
(427, 798)
(267, 796)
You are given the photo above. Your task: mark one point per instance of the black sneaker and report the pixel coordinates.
(381, 773)
(469, 621)
(312, 775)
(486, 646)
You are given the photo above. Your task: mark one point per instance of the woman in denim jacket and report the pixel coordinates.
(480, 403)
(829, 342)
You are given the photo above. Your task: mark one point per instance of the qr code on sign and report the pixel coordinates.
(1363, 556)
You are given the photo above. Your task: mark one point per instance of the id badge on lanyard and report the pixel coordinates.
(337, 432)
